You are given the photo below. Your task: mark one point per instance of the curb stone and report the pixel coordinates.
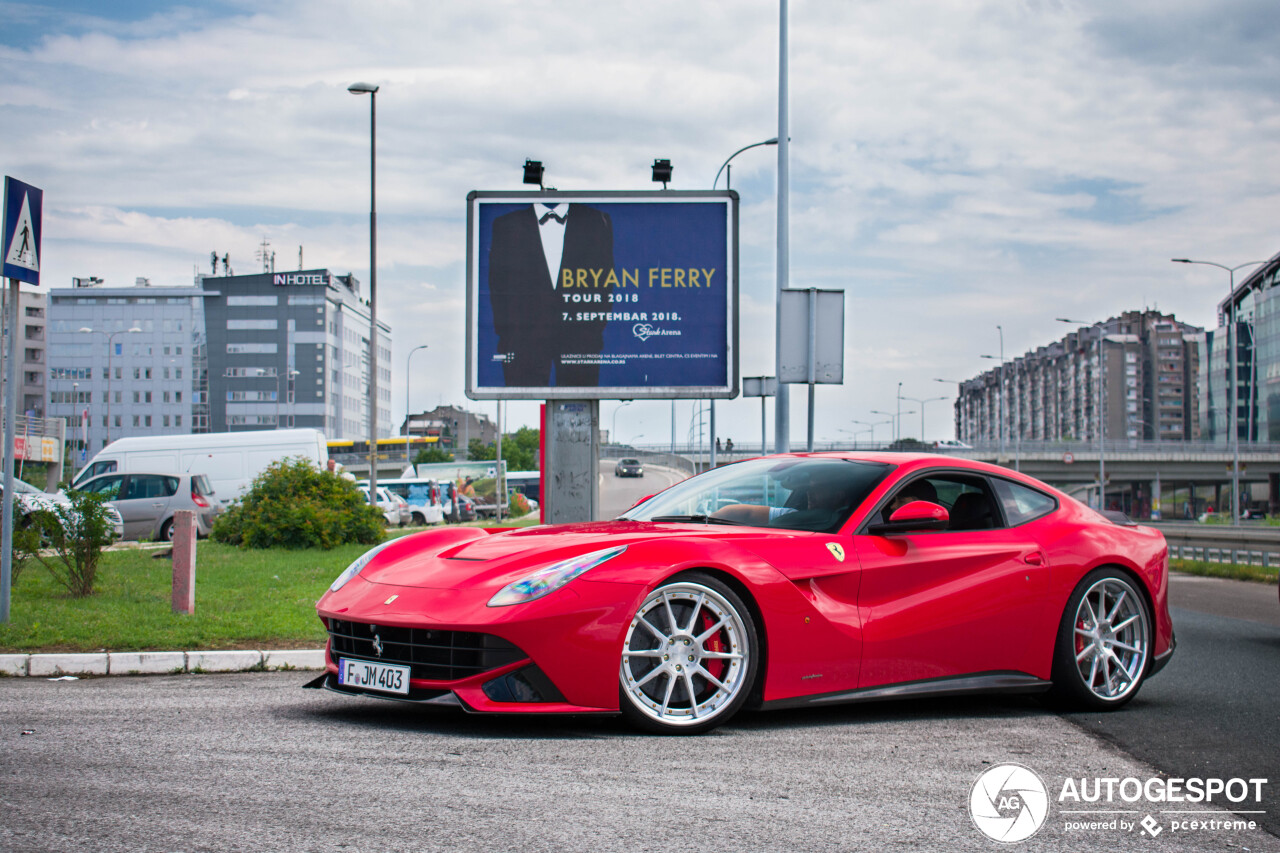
(158, 663)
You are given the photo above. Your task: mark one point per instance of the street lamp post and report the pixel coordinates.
(897, 427)
(1102, 447)
(1000, 329)
(728, 175)
(1000, 396)
(408, 432)
(1233, 416)
(289, 374)
(372, 91)
(893, 420)
(111, 350)
(613, 432)
(959, 383)
(922, 404)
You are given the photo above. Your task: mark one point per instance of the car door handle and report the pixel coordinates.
(1035, 558)
(157, 506)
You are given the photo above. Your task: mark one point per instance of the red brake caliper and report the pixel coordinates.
(716, 666)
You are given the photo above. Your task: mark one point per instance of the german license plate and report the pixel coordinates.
(368, 675)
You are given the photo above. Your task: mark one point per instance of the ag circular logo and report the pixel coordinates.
(1009, 803)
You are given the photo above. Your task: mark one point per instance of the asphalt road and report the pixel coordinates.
(1214, 711)
(251, 762)
(618, 494)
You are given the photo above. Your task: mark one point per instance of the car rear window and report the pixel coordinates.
(200, 486)
(1022, 503)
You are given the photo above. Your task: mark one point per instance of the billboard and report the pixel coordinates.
(606, 295)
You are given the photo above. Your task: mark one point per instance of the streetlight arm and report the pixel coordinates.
(773, 141)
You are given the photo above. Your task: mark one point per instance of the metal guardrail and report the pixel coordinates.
(1247, 545)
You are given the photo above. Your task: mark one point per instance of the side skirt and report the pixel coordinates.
(983, 682)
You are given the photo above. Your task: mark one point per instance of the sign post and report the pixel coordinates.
(23, 205)
(812, 341)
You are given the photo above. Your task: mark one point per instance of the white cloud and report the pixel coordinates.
(945, 155)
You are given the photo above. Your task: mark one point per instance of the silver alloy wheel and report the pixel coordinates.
(1112, 639)
(684, 659)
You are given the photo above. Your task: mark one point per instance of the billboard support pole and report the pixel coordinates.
(813, 357)
(571, 489)
(10, 434)
(781, 404)
(712, 404)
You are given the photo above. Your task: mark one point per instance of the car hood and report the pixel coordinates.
(473, 557)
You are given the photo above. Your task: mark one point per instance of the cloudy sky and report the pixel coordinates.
(956, 164)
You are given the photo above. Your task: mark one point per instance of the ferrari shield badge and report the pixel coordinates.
(837, 550)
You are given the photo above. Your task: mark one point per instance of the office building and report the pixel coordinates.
(1255, 304)
(110, 381)
(292, 349)
(1145, 384)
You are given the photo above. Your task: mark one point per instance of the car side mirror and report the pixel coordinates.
(642, 500)
(915, 517)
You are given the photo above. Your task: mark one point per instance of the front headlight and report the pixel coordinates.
(354, 569)
(548, 580)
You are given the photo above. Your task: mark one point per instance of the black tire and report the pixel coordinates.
(664, 691)
(419, 518)
(1117, 660)
(166, 531)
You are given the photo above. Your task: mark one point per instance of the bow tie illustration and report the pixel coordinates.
(551, 215)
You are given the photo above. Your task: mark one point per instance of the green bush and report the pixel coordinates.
(68, 540)
(293, 504)
(518, 504)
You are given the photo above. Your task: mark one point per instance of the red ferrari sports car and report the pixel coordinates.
(781, 581)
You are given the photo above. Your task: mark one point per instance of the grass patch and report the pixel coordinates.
(1258, 574)
(244, 599)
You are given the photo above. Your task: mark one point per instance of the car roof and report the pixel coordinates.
(908, 462)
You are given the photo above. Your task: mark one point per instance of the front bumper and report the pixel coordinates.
(572, 638)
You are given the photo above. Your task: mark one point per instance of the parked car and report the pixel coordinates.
(147, 502)
(30, 499)
(394, 509)
(741, 585)
(466, 508)
(423, 497)
(946, 444)
(628, 468)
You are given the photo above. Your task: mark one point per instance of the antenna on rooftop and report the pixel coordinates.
(264, 254)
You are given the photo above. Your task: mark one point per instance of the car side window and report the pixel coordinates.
(966, 498)
(105, 467)
(108, 487)
(1022, 503)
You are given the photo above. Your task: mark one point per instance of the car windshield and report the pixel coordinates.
(629, 462)
(789, 493)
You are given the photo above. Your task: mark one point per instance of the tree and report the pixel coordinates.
(428, 455)
(519, 449)
(294, 504)
(68, 540)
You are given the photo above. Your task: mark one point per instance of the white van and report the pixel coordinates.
(229, 459)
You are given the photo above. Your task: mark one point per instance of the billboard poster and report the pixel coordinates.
(602, 295)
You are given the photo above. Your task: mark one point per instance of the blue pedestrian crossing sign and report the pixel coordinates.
(23, 205)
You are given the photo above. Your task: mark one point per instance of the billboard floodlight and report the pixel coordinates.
(533, 172)
(662, 172)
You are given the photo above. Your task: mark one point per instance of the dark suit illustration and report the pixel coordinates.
(528, 308)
